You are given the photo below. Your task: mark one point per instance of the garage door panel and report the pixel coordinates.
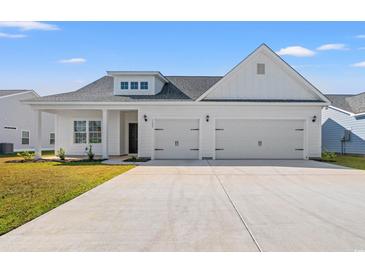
(259, 139)
(177, 139)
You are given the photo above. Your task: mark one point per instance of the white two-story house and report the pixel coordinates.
(17, 122)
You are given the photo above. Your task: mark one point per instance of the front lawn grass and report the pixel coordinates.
(28, 190)
(357, 162)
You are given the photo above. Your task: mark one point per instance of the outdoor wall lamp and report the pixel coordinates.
(145, 118)
(314, 118)
(207, 118)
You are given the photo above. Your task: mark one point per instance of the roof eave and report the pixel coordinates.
(352, 114)
(186, 102)
(153, 73)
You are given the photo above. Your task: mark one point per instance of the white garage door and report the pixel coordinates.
(259, 139)
(176, 138)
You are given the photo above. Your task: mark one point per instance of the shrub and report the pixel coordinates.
(61, 153)
(26, 155)
(329, 156)
(90, 153)
(136, 159)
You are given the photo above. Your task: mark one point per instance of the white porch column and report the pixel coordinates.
(104, 134)
(38, 135)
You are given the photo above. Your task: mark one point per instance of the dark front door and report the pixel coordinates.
(133, 138)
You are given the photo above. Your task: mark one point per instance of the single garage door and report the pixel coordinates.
(176, 138)
(259, 139)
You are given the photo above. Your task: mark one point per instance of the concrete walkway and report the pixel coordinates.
(208, 206)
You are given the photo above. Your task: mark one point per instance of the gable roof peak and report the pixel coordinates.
(275, 57)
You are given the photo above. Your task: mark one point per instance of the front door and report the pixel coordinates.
(133, 138)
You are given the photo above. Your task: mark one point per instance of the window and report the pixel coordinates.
(123, 85)
(144, 85)
(134, 85)
(87, 132)
(80, 132)
(51, 138)
(94, 132)
(25, 137)
(261, 69)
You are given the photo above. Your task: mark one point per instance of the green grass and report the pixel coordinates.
(357, 162)
(28, 190)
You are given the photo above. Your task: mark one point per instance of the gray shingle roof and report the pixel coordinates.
(179, 88)
(5, 92)
(349, 102)
(193, 86)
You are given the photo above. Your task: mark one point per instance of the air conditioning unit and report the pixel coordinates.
(346, 135)
(6, 148)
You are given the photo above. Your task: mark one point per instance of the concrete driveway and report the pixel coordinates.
(208, 206)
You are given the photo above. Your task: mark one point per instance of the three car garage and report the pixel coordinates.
(233, 139)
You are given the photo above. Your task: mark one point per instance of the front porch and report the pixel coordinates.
(109, 132)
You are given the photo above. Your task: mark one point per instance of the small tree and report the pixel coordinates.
(26, 155)
(61, 153)
(329, 156)
(90, 153)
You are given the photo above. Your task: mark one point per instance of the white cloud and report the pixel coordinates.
(362, 48)
(297, 51)
(359, 65)
(11, 36)
(73, 61)
(332, 47)
(360, 36)
(28, 25)
(79, 81)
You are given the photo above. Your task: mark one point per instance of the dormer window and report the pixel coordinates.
(144, 85)
(123, 85)
(134, 85)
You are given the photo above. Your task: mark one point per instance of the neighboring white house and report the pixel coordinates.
(261, 109)
(343, 124)
(17, 121)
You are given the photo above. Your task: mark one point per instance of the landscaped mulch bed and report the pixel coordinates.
(54, 160)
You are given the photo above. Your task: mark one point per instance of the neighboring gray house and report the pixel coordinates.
(17, 121)
(343, 124)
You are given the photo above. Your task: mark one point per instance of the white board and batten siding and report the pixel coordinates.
(299, 117)
(16, 117)
(278, 82)
(65, 132)
(178, 123)
(276, 123)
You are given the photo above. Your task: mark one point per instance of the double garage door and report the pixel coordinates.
(259, 139)
(234, 139)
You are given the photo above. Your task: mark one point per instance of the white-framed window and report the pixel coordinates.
(25, 137)
(87, 132)
(123, 85)
(134, 85)
(80, 132)
(144, 85)
(51, 138)
(260, 68)
(94, 132)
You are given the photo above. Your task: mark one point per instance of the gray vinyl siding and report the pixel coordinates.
(334, 123)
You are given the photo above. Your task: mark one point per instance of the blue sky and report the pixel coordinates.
(53, 57)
